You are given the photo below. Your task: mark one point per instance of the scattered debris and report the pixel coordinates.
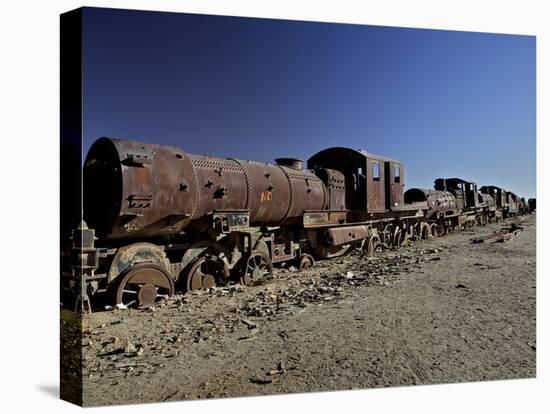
(279, 371)
(261, 381)
(250, 324)
(500, 236)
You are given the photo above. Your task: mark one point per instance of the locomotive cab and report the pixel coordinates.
(498, 194)
(373, 184)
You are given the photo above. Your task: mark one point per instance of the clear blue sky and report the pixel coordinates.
(445, 103)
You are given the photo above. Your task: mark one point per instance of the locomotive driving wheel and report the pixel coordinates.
(417, 230)
(205, 272)
(306, 261)
(372, 244)
(397, 238)
(143, 285)
(424, 231)
(387, 236)
(258, 267)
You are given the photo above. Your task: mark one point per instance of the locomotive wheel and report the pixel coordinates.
(205, 272)
(142, 285)
(306, 261)
(417, 230)
(387, 236)
(258, 267)
(372, 244)
(424, 231)
(434, 230)
(397, 238)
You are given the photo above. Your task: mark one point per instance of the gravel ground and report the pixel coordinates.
(440, 311)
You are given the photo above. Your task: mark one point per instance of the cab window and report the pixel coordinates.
(375, 171)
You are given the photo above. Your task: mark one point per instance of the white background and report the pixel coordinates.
(29, 216)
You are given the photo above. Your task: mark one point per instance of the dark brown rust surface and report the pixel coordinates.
(337, 236)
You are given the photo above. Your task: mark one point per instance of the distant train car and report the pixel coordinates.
(452, 203)
(514, 204)
(499, 196)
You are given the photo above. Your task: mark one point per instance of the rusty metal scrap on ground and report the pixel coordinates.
(500, 236)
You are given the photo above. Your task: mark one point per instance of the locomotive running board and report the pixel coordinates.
(320, 218)
(328, 218)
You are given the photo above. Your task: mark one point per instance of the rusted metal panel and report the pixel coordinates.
(221, 185)
(227, 221)
(395, 181)
(128, 256)
(499, 236)
(323, 218)
(335, 184)
(337, 236)
(376, 185)
(307, 193)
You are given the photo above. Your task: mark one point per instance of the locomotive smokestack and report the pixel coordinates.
(293, 163)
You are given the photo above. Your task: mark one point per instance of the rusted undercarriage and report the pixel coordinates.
(157, 220)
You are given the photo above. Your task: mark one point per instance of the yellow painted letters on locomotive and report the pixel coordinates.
(266, 196)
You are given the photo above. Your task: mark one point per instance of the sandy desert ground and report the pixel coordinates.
(440, 311)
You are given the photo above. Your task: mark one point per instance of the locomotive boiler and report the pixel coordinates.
(135, 190)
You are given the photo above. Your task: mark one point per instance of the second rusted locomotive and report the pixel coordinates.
(157, 219)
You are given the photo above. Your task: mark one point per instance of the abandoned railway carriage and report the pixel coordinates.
(158, 219)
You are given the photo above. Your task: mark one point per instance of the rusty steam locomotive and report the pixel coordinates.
(157, 219)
